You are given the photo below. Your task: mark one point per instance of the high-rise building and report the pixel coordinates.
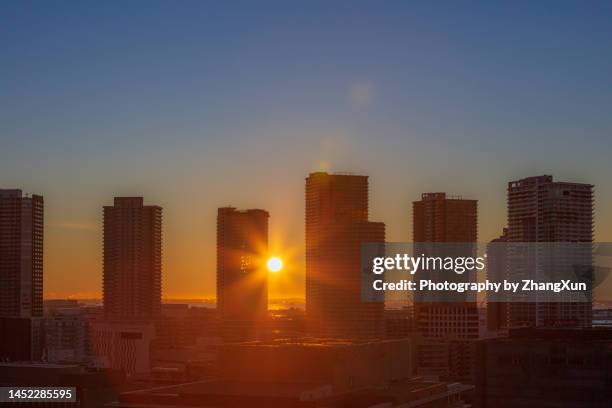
(541, 210)
(242, 280)
(441, 219)
(21, 254)
(438, 218)
(446, 226)
(336, 227)
(21, 275)
(132, 260)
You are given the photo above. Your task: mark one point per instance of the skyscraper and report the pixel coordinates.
(21, 254)
(242, 280)
(446, 226)
(21, 275)
(541, 210)
(132, 260)
(336, 227)
(441, 219)
(438, 218)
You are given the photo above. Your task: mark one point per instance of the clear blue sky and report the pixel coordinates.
(200, 104)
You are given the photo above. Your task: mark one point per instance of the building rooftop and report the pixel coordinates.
(35, 364)
(561, 333)
(414, 392)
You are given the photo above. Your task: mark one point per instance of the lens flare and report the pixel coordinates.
(275, 264)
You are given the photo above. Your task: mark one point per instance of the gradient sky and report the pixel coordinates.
(196, 105)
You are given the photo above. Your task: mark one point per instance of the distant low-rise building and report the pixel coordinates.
(342, 365)
(67, 335)
(308, 373)
(124, 346)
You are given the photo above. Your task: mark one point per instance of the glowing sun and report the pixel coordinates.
(275, 264)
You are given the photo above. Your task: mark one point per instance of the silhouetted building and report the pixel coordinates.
(132, 260)
(185, 347)
(242, 278)
(497, 312)
(415, 392)
(123, 345)
(399, 323)
(21, 338)
(67, 333)
(336, 227)
(440, 219)
(541, 210)
(546, 367)
(51, 306)
(342, 365)
(21, 254)
(21, 275)
(309, 373)
(446, 226)
(182, 325)
(447, 359)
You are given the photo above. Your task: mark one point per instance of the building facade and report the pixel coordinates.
(21, 275)
(541, 210)
(242, 278)
(546, 367)
(439, 219)
(336, 227)
(446, 226)
(67, 335)
(132, 260)
(124, 346)
(21, 254)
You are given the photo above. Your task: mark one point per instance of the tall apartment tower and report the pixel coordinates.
(21, 275)
(242, 279)
(446, 226)
(541, 210)
(336, 227)
(441, 219)
(21, 254)
(132, 260)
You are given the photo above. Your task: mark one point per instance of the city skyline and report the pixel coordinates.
(306, 204)
(294, 254)
(198, 106)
